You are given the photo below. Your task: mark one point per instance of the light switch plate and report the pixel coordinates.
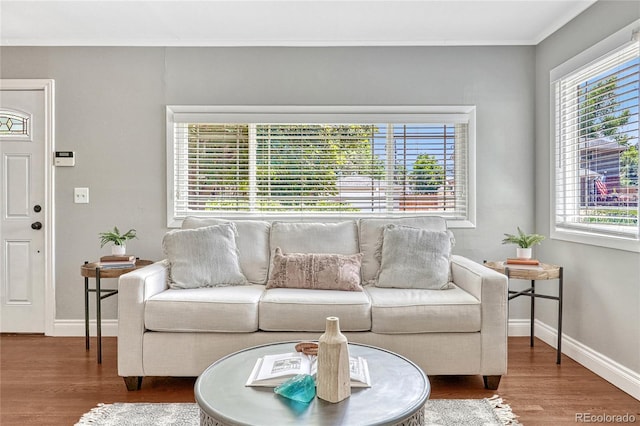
(81, 195)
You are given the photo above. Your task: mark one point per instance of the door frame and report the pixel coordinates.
(48, 87)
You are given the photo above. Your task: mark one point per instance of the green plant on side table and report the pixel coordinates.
(524, 242)
(119, 240)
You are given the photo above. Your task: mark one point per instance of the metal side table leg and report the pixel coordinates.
(98, 315)
(86, 311)
(559, 349)
(533, 310)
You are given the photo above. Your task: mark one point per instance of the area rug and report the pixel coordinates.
(438, 412)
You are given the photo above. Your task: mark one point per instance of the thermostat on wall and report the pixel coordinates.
(65, 158)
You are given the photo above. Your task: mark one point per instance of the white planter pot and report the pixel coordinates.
(523, 253)
(118, 250)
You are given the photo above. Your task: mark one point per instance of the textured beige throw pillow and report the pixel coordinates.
(203, 257)
(415, 258)
(318, 271)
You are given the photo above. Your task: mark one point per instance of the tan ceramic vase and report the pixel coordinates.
(333, 379)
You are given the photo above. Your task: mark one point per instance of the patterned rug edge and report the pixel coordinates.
(99, 414)
(503, 411)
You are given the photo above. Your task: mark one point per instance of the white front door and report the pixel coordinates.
(22, 210)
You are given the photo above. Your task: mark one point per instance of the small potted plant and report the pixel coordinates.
(119, 240)
(524, 242)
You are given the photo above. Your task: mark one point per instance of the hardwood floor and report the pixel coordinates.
(53, 381)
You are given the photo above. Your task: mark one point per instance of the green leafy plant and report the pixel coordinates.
(523, 240)
(116, 237)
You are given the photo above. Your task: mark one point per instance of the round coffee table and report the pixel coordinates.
(398, 392)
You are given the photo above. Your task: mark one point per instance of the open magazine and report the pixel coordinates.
(272, 370)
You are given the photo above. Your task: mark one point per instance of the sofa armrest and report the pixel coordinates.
(134, 288)
(477, 279)
(491, 288)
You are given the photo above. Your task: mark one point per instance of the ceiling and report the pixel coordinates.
(283, 22)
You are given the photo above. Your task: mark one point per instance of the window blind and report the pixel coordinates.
(596, 146)
(305, 168)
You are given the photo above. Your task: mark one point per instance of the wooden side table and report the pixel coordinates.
(93, 270)
(534, 273)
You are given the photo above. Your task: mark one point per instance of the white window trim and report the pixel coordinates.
(616, 41)
(329, 114)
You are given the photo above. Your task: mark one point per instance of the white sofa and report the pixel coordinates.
(461, 330)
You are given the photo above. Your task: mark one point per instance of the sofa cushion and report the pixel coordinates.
(203, 257)
(370, 232)
(253, 244)
(414, 258)
(401, 311)
(213, 309)
(318, 271)
(302, 237)
(293, 309)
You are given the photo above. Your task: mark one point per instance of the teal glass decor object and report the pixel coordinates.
(301, 388)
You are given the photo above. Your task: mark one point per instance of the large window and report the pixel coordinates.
(320, 162)
(596, 148)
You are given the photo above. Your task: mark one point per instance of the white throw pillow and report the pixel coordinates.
(415, 258)
(370, 234)
(252, 240)
(203, 257)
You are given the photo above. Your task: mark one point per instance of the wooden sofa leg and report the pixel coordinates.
(133, 383)
(491, 382)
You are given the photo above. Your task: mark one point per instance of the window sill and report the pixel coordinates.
(612, 242)
(451, 223)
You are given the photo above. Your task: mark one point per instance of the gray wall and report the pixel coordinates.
(110, 110)
(602, 286)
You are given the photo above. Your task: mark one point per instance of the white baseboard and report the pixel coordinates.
(519, 327)
(613, 372)
(75, 328)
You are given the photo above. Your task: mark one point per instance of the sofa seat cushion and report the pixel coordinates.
(295, 309)
(402, 311)
(215, 309)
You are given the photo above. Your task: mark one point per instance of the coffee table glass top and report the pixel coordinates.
(398, 390)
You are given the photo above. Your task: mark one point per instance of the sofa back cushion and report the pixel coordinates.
(311, 237)
(371, 234)
(303, 237)
(253, 244)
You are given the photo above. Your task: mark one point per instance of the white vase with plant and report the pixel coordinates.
(119, 240)
(524, 241)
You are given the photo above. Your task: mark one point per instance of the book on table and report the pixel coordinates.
(116, 265)
(118, 258)
(523, 264)
(527, 262)
(272, 370)
(117, 262)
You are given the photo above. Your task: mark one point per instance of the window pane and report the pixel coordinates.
(303, 167)
(13, 124)
(597, 146)
(317, 169)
